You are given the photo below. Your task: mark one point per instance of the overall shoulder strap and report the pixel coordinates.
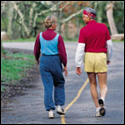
(57, 36)
(40, 36)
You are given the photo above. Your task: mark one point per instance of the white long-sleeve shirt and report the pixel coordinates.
(80, 52)
(109, 49)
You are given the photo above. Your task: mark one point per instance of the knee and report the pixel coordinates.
(104, 87)
(93, 85)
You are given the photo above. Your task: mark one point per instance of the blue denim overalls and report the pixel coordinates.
(51, 73)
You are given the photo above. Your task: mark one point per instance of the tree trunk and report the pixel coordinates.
(21, 19)
(111, 19)
(2, 48)
(31, 13)
(10, 19)
(59, 16)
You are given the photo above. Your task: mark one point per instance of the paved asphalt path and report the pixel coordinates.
(29, 107)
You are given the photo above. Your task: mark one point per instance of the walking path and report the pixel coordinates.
(28, 108)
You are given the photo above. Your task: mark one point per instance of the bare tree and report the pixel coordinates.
(32, 19)
(29, 23)
(21, 18)
(110, 17)
(10, 19)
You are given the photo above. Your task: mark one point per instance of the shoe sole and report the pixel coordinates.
(60, 113)
(51, 117)
(98, 115)
(102, 111)
(101, 103)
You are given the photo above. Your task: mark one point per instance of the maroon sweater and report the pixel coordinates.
(95, 36)
(49, 34)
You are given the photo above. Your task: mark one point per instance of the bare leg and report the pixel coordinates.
(102, 77)
(93, 88)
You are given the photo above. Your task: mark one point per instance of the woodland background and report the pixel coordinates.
(25, 19)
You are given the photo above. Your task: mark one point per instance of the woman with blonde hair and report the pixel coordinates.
(50, 48)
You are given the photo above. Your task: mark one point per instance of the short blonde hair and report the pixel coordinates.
(49, 21)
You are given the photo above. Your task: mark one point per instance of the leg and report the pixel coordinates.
(59, 81)
(93, 88)
(102, 77)
(59, 94)
(59, 97)
(48, 92)
(47, 80)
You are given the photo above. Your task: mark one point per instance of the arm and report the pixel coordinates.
(79, 57)
(109, 46)
(109, 50)
(62, 53)
(37, 49)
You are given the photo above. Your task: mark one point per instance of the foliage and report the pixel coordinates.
(119, 16)
(71, 7)
(13, 67)
(32, 39)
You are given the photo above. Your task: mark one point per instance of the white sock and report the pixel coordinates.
(103, 99)
(97, 109)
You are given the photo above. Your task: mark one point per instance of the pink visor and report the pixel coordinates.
(88, 13)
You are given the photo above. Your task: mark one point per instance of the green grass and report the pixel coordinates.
(118, 41)
(33, 39)
(2, 89)
(13, 67)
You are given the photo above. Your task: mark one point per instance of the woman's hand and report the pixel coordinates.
(38, 61)
(78, 71)
(108, 62)
(66, 71)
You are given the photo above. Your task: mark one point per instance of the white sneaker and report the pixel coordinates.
(51, 114)
(97, 114)
(60, 110)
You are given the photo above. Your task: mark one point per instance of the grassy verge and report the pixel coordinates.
(118, 41)
(33, 39)
(13, 67)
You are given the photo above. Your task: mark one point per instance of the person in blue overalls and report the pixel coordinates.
(50, 46)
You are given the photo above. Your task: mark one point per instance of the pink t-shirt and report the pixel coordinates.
(94, 35)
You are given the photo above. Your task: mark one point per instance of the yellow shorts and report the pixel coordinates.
(95, 62)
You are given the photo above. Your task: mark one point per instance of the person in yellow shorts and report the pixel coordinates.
(95, 47)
